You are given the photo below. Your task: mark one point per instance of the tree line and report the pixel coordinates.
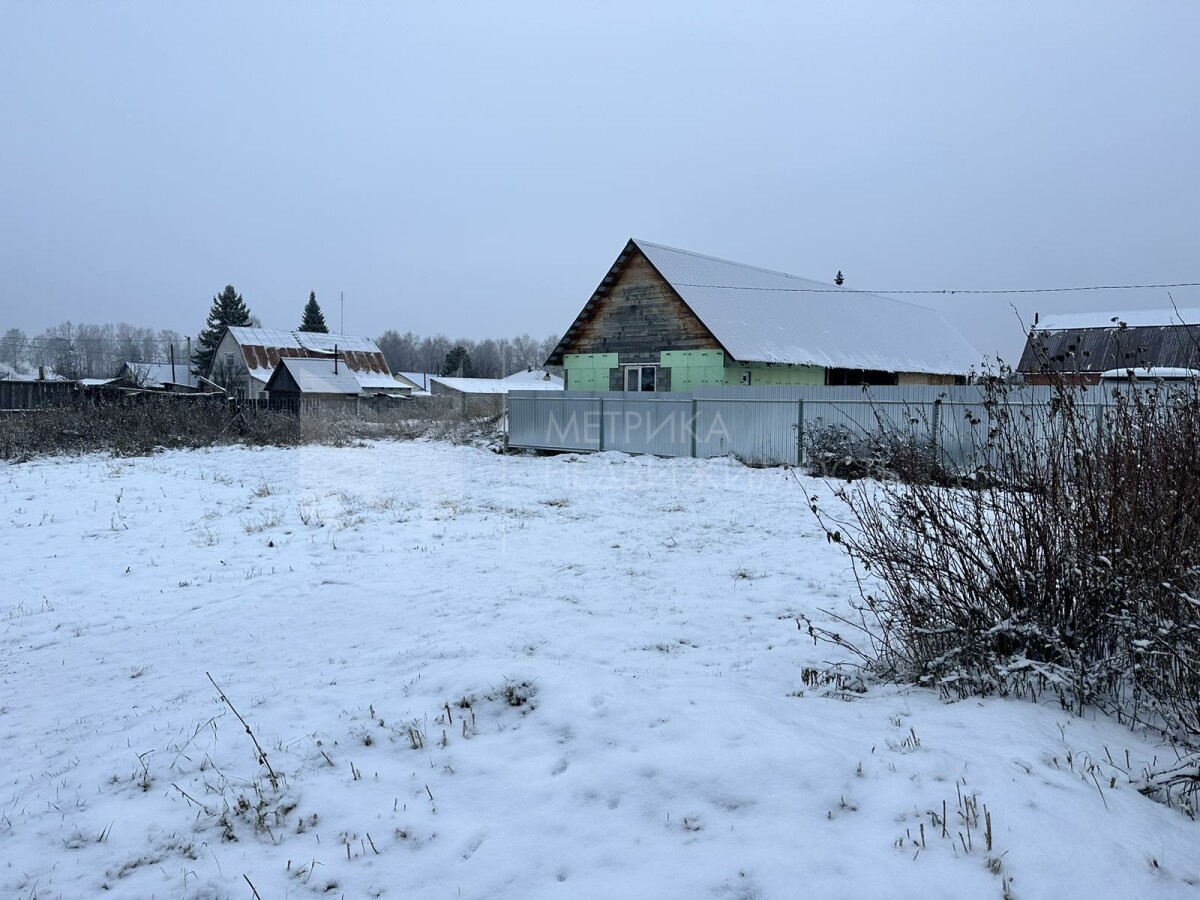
(81, 350)
(487, 358)
(78, 350)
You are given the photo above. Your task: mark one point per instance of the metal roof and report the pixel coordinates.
(315, 342)
(1100, 349)
(763, 316)
(264, 348)
(317, 376)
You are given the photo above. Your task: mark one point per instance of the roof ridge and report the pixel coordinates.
(833, 288)
(730, 262)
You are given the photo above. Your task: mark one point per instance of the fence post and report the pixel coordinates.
(693, 428)
(504, 413)
(800, 431)
(600, 448)
(935, 425)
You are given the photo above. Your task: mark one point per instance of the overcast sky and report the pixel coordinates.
(474, 169)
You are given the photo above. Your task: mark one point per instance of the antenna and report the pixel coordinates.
(341, 312)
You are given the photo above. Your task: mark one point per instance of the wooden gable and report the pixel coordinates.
(636, 314)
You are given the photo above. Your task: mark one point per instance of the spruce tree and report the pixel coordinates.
(314, 319)
(458, 362)
(228, 308)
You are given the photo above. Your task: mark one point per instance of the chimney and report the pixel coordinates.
(839, 280)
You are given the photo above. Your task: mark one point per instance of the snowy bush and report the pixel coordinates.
(838, 451)
(1073, 571)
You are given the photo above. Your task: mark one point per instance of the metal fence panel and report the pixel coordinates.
(780, 425)
(761, 430)
(554, 421)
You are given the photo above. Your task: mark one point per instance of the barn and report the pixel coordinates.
(1081, 348)
(664, 319)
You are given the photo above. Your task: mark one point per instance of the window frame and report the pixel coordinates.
(641, 370)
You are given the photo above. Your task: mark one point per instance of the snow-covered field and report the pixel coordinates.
(482, 676)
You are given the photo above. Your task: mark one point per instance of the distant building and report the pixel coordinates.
(419, 380)
(664, 319)
(161, 375)
(246, 358)
(1082, 348)
(487, 394)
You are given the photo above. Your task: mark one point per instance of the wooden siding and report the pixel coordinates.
(638, 317)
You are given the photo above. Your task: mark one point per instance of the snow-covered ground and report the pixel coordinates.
(482, 676)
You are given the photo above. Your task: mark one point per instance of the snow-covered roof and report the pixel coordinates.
(1171, 373)
(534, 380)
(263, 348)
(156, 373)
(497, 385)
(1134, 318)
(419, 379)
(759, 315)
(308, 340)
(317, 376)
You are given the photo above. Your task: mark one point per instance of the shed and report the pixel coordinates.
(1082, 347)
(319, 379)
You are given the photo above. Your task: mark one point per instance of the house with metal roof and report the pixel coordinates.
(665, 319)
(247, 358)
(1083, 348)
(162, 375)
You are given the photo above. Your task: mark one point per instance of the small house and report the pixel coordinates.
(664, 319)
(161, 375)
(1083, 348)
(246, 358)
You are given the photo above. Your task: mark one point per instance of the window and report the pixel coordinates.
(229, 360)
(746, 377)
(640, 378)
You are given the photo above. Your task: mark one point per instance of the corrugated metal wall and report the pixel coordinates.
(771, 425)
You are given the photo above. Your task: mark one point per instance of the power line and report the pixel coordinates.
(68, 343)
(844, 290)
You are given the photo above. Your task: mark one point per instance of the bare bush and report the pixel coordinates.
(145, 423)
(1072, 571)
(839, 451)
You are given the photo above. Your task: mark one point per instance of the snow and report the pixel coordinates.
(1134, 318)
(307, 340)
(1172, 373)
(759, 315)
(419, 379)
(636, 721)
(500, 385)
(538, 378)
